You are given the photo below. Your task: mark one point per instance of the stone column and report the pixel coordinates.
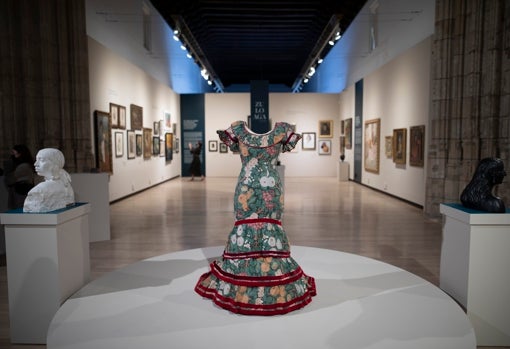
(470, 103)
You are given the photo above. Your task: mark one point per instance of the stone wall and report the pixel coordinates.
(44, 81)
(470, 103)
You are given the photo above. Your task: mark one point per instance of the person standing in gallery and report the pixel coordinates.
(195, 168)
(19, 175)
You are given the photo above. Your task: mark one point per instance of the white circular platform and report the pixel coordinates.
(360, 303)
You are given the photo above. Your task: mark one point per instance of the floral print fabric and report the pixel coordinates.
(256, 274)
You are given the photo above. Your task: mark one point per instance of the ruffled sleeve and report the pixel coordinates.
(229, 138)
(290, 140)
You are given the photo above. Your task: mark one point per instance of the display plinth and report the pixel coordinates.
(343, 171)
(47, 261)
(474, 269)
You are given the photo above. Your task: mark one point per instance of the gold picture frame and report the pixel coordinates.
(417, 145)
(372, 143)
(399, 145)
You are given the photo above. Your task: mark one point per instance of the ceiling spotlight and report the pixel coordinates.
(189, 55)
(176, 35)
(319, 61)
(338, 36)
(311, 71)
(331, 42)
(209, 82)
(305, 80)
(183, 47)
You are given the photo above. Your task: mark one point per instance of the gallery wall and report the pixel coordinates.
(398, 94)
(302, 110)
(115, 80)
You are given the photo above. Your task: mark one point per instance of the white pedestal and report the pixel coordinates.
(343, 171)
(474, 269)
(47, 261)
(93, 188)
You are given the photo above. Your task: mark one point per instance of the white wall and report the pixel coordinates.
(303, 110)
(398, 93)
(115, 80)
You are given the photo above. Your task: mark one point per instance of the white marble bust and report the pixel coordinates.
(56, 191)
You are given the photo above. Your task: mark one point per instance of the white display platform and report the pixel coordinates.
(475, 262)
(93, 188)
(343, 171)
(47, 261)
(361, 303)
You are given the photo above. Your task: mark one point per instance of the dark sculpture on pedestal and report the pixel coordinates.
(478, 193)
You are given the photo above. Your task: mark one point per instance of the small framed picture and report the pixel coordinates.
(326, 128)
(139, 144)
(131, 144)
(213, 145)
(114, 114)
(324, 147)
(372, 140)
(147, 143)
(399, 145)
(155, 145)
(136, 117)
(156, 128)
(119, 144)
(308, 140)
(122, 117)
(417, 145)
(223, 148)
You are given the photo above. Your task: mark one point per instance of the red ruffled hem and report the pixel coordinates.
(256, 309)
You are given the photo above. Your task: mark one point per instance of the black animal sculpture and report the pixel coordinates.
(478, 193)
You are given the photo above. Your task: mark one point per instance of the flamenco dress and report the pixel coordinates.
(256, 274)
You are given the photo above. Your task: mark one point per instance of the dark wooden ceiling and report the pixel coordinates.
(258, 39)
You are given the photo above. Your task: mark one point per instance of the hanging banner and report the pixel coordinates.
(193, 129)
(259, 98)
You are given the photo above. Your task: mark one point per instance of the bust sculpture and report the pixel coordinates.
(478, 193)
(56, 191)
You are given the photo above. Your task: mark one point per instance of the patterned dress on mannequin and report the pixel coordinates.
(256, 274)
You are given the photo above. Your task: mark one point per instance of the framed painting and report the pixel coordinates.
(169, 145)
(388, 146)
(122, 117)
(417, 145)
(326, 128)
(114, 114)
(139, 144)
(119, 144)
(147, 143)
(131, 144)
(348, 133)
(103, 140)
(372, 148)
(325, 147)
(223, 148)
(342, 127)
(155, 145)
(399, 145)
(168, 121)
(308, 141)
(156, 128)
(213, 145)
(136, 117)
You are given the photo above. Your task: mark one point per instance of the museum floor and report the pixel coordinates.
(319, 212)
